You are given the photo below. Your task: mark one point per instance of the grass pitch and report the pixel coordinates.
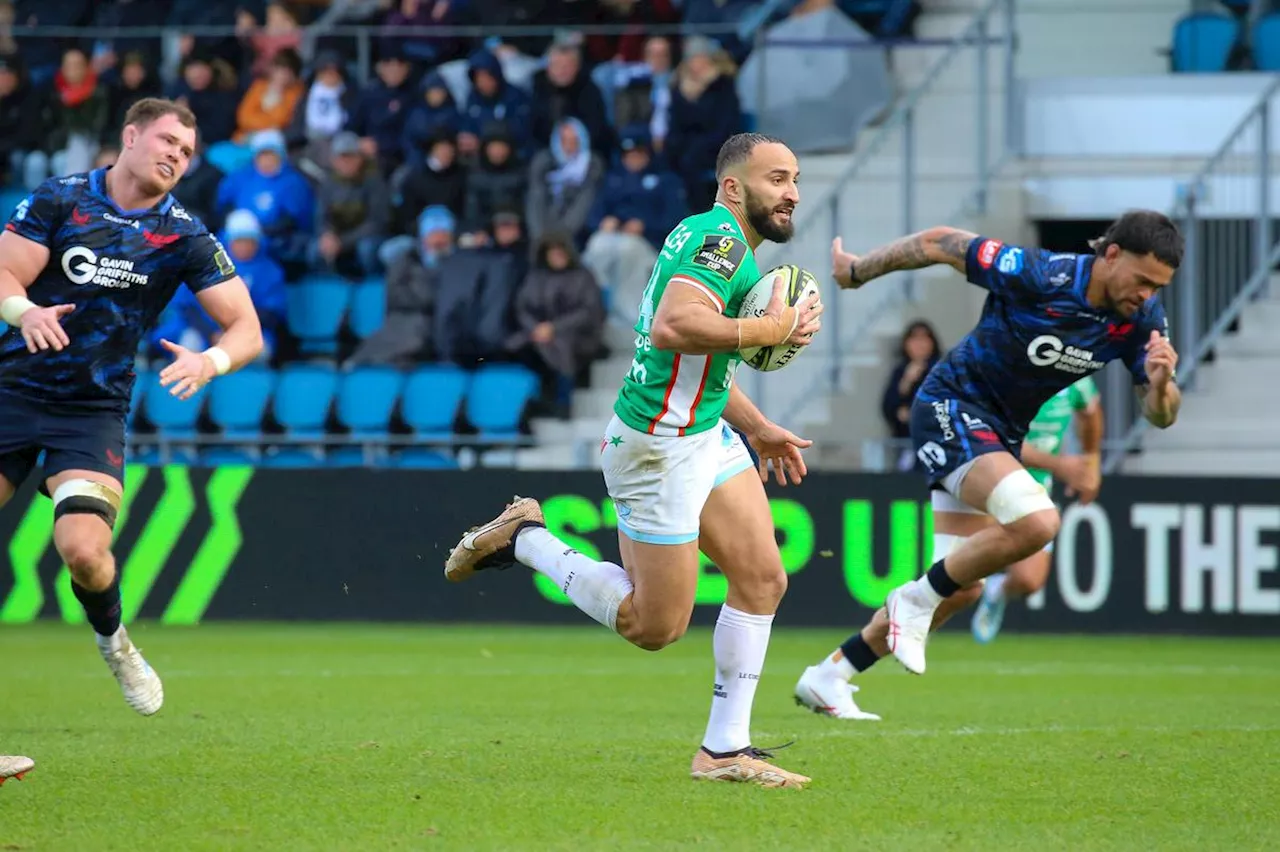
(356, 737)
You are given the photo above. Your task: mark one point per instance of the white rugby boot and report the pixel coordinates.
(14, 766)
(140, 684)
(829, 695)
(910, 608)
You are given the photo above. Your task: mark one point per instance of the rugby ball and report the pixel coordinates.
(798, 285)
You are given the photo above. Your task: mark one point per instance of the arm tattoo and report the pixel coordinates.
(927, 248)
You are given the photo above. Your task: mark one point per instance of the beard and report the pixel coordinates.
(760, 217)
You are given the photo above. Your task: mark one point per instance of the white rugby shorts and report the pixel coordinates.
(659, 484)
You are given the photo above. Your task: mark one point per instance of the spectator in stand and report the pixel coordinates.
(473, 304)
(136, 81)
(186, 15)
(918, 353)
(640, 15)
(107, 156)
(382, 109)
(492, 99)
(351, 212)
(43, 55)
(432, 114)
(638, 205)
(508, 239)
(23, 126)
(558, 318)
(109, 18)
(563, 91)
(440, 180)
(704, 113)
(563, 183)
(696, 13)
(498, 181)
(207, 88)
(428, 51)
(539, 14)
(323, 111)
(640, 92)
(186, 323)
(412, 283)
(271, 100)
(278, 194)
(198, 189)
(78, 116)
(280, 33)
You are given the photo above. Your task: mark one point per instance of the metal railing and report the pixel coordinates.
(889, 155)
(1224, 212)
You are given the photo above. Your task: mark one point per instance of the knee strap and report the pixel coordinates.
(1017, 496)
(86, 497)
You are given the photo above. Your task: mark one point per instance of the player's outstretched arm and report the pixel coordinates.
(21, 261)
(940, 245)
(689, 322)
(776, 447)
(1161, 398)
(241, 340)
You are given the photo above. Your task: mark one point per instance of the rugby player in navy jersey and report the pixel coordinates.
(1049, 319)
(87, 263)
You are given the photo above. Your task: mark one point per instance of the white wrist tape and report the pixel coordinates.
(221, 360)
(12, 309)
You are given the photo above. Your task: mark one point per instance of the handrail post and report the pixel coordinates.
(1189, 288)
(1012, 133)
(982, 117)
(1263, 238)
(833, 334)
(908, 187)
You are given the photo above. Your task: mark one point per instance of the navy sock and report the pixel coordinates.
(858, 653)
(941, 581)
(102, 609)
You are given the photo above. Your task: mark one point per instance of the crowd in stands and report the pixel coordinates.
(506, 189)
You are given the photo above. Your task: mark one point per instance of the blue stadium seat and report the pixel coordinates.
(1266, 43)
(238, 400)
(1202, 42)
(368, 307)
(302, 398)
(422, 458)
(367, 397)
(431, 398)
(226, 457)
(172, 416)
(316, 306)
(497, 399)
(348, 457)
(291, 457)
(148, 455)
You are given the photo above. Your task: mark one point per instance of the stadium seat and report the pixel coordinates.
(238, 400)
(349, 457)
(1266, 43)
(292, 457)
(497, 399)
(174, 417)
(368, 307)
(316, 306)
(422, 458)
(302, 398)
(367, 397)
(1202, 42)
(431, 398)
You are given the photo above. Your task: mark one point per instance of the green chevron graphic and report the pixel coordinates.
(149, 555)
(219, 548)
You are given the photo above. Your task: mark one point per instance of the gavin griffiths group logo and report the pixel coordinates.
(82, 265)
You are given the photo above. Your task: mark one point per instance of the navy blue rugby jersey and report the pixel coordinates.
(119, 268)
(1038, 334)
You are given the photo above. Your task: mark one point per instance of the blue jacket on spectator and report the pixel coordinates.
(381, 112)
(652, 194)
(262, 275)
(283, 202)
(509, 104)
(425, 121)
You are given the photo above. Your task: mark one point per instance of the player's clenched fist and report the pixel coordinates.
(1162, 360)
(42, 328)
(189, 371)
(842, 265)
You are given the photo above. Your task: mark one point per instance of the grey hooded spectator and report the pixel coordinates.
(351, 211)
(498, 181)
(563, 182)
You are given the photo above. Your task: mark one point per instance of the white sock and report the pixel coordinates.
(596, 588)
(841, 668)
(740, 643)
(114, 642)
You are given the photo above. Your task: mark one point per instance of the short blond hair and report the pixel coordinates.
(148, 110)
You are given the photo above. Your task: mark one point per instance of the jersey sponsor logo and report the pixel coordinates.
(1119, 330)
(78, 217)
(932, 456)
(722, 255)
(74, 180)
(1062, 279)
(944, 421)
(221, 259)
(177, 212)
(129, 223)
(1010, 261)
(82, 265)
(1048, 350)
(20, 212)
(987, 252)
(725, 226)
